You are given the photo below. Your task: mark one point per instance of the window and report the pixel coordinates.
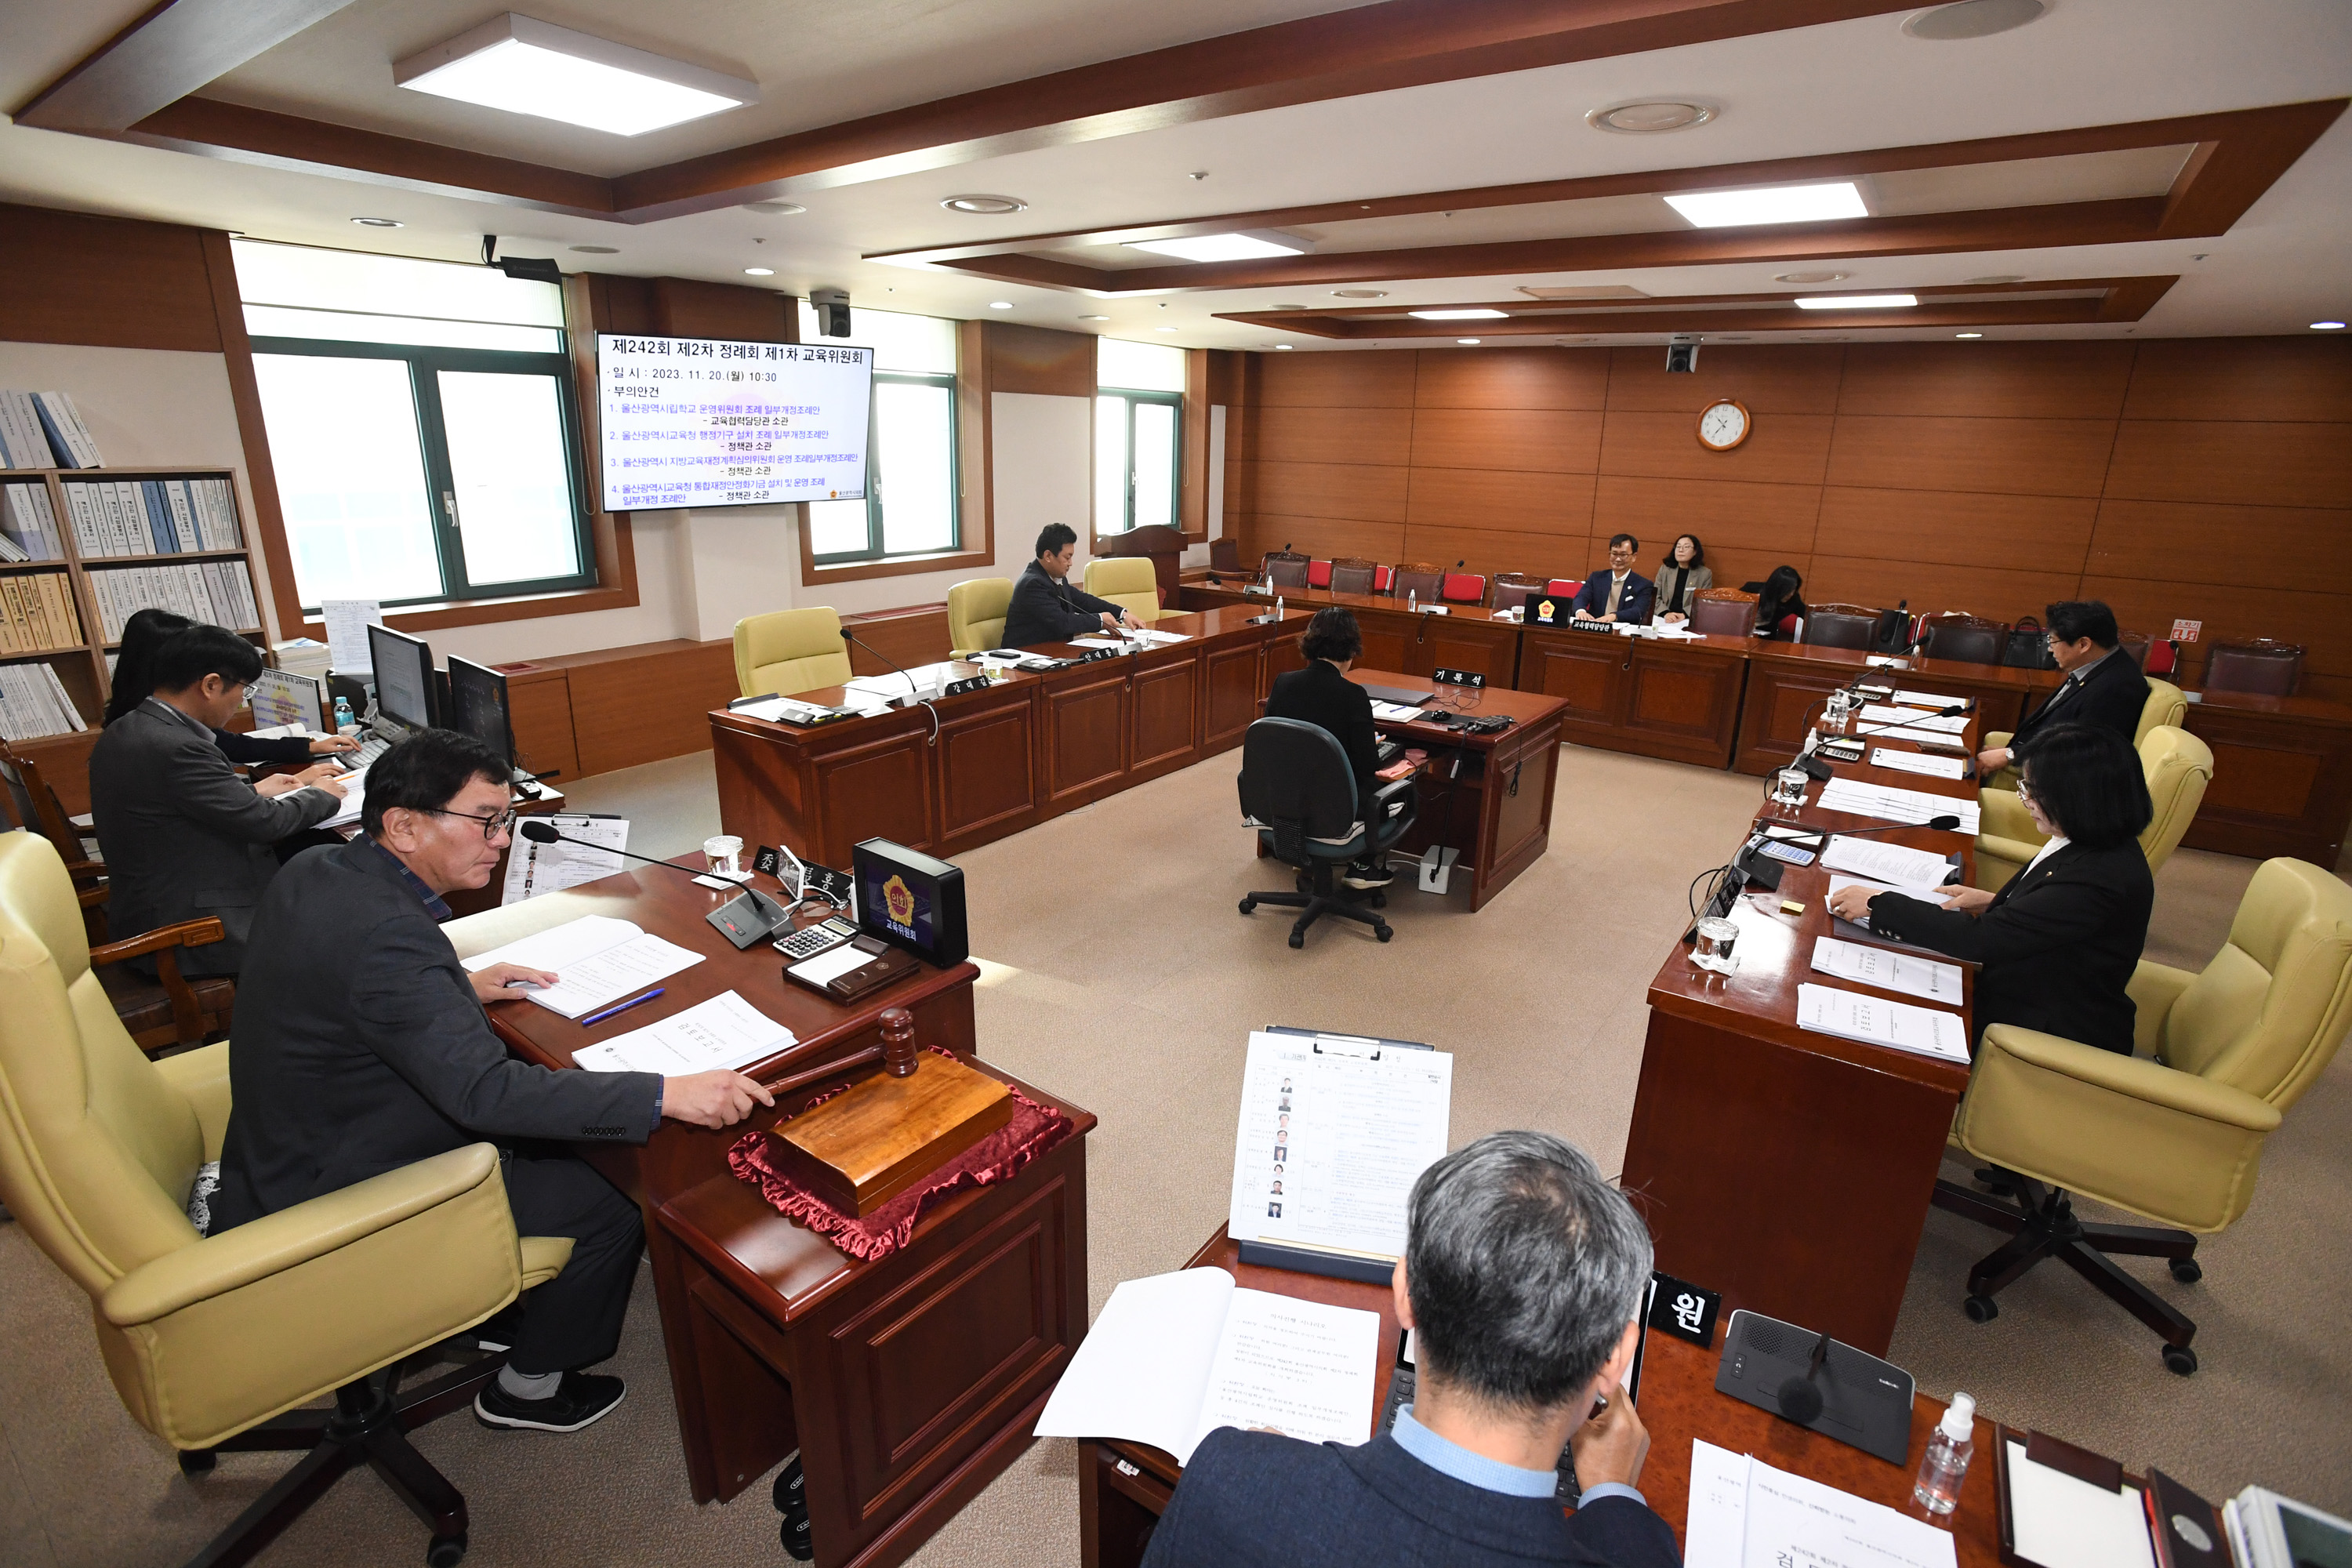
(1138, 433)
(421, 421)
(910, 455)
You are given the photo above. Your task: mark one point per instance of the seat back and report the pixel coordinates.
(1513, 591)
(1295, 779)
(1966, 639)
(1841, 625)
(1464, 588)
(1286, 570)
(789, 651)
(1319, 574)
(1353, 574)
(1419, 581)
(2261, 666)
(36, 804)
(1384, 579)
(2177, 766)
(98, 1149)
(2165, 705)
(1722, 612)
(1224, 556)
(2268, 1012)
(1564, 587)
(2134, 644)
(1128, 581)
(976, 614)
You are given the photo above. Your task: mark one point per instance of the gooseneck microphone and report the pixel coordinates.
(913, 692)
(1800, 1396)
(752, 917)
(1945, 823)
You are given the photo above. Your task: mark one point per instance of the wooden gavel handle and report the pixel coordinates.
(858, 1061)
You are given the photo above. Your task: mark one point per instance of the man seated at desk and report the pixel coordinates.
(2103, 687)
(1523, 1273)
(1620, 593)
(186, 837)
(1045, 609)
(362, 1047)
(1322, 695)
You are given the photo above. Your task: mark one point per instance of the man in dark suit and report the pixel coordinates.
(185, 836)
(2103, 688)
(1620, 593)
(1322, 695)
(1523, 1273)
(1045, 609)
(362, 1047)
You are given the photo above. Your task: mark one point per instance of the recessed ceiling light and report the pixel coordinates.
(1770, 204)
(759, 272)
(775, 209)
(1996, 277)
(1467, 342)
(1360, 293)
(1286, 346)
(528, 67)
(1000, 304)
(1651, 116)
(1973, 19)
(1967, 334)
(2326, 326)
(1811, 277)
(379, 223)
(985, 206)
(597, 249)
(1857, 302)
(1222, 247)
(1094, 317)
(1478, 315)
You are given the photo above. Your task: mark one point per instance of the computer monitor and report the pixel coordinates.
(281, 697)
(478, 706)
(404, 677)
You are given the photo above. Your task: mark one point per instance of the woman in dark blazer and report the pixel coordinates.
(2059, 941)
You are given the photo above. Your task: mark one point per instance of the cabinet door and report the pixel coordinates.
(1684, 703)
(1282, 656)
(1583, 668)
(1459, 642)
(1229, 700)
(1086, 735)
(1165, 708)
(1387, 638)
(875, 790)
(1780, 705)
(987, 773)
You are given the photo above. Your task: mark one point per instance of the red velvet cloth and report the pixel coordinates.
(999, 1157)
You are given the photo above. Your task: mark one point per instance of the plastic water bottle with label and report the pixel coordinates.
(343, 719)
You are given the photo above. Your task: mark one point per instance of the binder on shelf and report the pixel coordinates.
(22, 443)
(68, 438)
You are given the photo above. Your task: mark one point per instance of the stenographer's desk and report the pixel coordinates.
(1123, 1487)
(907, 1382)
(1788, 1169)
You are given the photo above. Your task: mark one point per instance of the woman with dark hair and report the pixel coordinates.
(1680, 579)
(134, 679)
(1321, 694)
(2059, 941)
(1780, 604)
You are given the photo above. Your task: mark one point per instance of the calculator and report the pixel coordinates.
(821, 937)
(1779, 850)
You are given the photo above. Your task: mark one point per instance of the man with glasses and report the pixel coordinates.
(1620, 593)
(185, 836)
(362, 1047)
(2103, 688)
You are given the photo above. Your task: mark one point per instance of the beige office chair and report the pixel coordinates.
(2165, 705)
(1128, 582)
(2177, 765)
(2173, 1131)
(976, 614)
(786, 652)
(213, 1341)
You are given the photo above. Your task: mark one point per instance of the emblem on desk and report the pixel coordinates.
(1686, 1311)
(1544, 610)
(899, 901)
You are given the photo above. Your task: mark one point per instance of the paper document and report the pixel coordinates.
(776, 708)
(1097, 641)
(1745, 1514)
(598, 960)
(347, 640)
(1849, 931)
(1160, 638)
(1893, 864)
(1921, 977)
(826, 967)
(1395, 712)
(533, 868)
(724, 1032)
(1921, 737)
(1930, 1031)
(2059, 1519)
(1918, 717)
(354, 787)
(886, 685)
(1893, 805)
(1929, 700)
(1175, 1356)
(1918, 762)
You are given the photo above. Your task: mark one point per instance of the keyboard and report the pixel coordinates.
(370, 750)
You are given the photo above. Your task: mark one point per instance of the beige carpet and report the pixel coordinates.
(1120, 975)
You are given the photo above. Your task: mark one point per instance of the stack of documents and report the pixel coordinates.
(1394, 712)
(1858, 799)
(597, 960)
(1916, 763)
(1929, 700)
(1893, 864)
(724, 1032)
(1918, 717)
(1930, 1031)
(1921, 977)
(354, 797)
(1744, 1513)
(533, 868)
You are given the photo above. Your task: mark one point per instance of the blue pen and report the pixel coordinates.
(621, 1006)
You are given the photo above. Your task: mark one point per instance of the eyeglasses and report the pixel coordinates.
(491, 825)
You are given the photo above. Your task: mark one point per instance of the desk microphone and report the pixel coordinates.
(1800, 1396)
(1953, 711)
(750, 918)
(914, 694)
(1946, 823)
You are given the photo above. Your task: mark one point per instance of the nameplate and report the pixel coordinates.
(1686, 1311)
(1458, 678)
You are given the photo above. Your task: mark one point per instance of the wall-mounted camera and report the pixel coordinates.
(1682, 356)
(831, 308)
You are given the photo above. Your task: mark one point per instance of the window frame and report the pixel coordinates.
(425, 361)
(1173, 401)
(875, 553)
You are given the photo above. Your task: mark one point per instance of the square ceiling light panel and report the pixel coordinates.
(527, 67)
(1223, 246)
(1770, 204)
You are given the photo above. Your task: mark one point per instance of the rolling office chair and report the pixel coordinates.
(213, 1343)
(1298, 792)
(2173, 1131)
(1128, 581)
(789, 651)
(2177, 766)
(1353, 574)
(1722, 612)
(1964, 639)
(1841, 625)
(2257, 664)
(976, 610)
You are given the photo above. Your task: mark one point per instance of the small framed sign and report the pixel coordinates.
(1686, 1311)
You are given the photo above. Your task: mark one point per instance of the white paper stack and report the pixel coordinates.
(597, 960)
(1918, 717)
(1895, 865)
(1921, 977)
(1916, 763)
(1744, 1513)
(1930, 1031)
(1856, 798)
(724, 1032)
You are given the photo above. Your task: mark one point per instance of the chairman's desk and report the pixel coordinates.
(1123, 1487)
(907, 1382)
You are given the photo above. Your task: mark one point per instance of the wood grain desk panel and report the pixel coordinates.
(1118, 1506)
(1660, 698)
(2281, 776)
(1396, 638)
(1787, 683)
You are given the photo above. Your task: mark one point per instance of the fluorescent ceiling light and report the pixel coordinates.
(1220, 247)
(1458, 315)
(1000, 304)
(759, 272)
(1770, 204)
(1858, 302)
(527, 67)
(1467, 342)
(2326, 326)
(1967, 334)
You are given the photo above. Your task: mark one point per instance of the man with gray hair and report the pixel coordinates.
(1523, 1273)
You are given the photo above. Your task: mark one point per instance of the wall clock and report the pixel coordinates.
(1723, 425)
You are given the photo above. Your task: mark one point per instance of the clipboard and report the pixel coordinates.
(2066, 1459)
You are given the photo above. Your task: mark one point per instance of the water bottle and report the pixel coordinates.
(343, 719)
(1278, 609)
(1412, 598)
(1937, 1489)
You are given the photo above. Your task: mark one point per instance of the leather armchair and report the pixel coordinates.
(2165, 705)
(1128, 582)
(786, 652)
(976, 614)
(2177, 766)
(1353, 574)
(2173, 1131)
(211, 1342)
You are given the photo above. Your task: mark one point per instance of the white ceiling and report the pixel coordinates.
(1811, 90)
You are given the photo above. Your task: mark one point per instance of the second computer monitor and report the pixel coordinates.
(404, 677)
(478, 706)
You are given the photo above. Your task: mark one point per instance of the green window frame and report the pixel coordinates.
(874, 548)
(1125, 494)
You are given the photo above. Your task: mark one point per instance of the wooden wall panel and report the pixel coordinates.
(2246, 546)
(690, 307)
(2041, 534)
(2069, 379)
(1782, 448)
(1996, 593)
(1543, 440)
(1490, 551)
(2316, 621)
(1327, 489)
(1725, 514)
(641, 704)
(2281, 379)
(107, 282)
(2009, 456)
(1511, 378)
(2233, 460)
(1039, 360)
(1503, 499)
(1764, 379)
(1310, 435)
(1365, 380)
(1325, 537)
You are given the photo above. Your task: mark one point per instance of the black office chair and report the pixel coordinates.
(1298, 792)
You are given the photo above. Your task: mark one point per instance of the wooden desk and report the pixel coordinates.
(1653, 696)
(1123, 1487)
(1786, 684)
(908, 1383)
(2282, 775)
(1417, 642)
(1791, 1170)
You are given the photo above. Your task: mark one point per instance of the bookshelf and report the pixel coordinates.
(94, 580)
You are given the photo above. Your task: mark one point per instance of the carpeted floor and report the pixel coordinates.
(1119, 975)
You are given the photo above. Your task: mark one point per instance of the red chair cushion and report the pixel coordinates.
(1564, 587)
(1383, 579)
(1464, 587)
(2160, 660)
(1319, 574)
